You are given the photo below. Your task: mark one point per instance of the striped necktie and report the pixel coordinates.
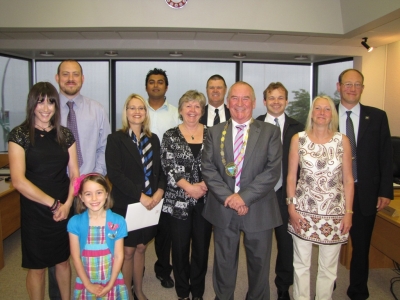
(216, 118)
(146, 154)
(278, 185)
(236, 151)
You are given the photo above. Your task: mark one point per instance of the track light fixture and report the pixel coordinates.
(364, 43)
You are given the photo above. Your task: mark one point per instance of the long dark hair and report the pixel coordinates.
(39, 92)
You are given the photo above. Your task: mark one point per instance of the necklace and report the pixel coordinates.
(231, 168)
(191, 134)
(43, 128)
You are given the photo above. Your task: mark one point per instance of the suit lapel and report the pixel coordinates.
(254, 134)
(363, 123)
(132, 148)
(228, 144)
(286, 125)
(227, 113)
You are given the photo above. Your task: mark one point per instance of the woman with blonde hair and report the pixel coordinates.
(320, 205)
(134, 169)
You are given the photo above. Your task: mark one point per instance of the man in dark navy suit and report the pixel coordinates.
(216, 111)
(372, 171)
(276, 100)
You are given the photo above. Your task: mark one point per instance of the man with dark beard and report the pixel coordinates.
(91, 130)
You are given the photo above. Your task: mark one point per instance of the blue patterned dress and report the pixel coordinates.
(97, 261)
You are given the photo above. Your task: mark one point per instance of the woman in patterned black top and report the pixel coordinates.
(40, 150)
(185, 196)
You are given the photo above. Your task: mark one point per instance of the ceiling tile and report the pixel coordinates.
(319, 40)
(26, 35)
(353, 42)
(288, 39)
(391, 27)
(142, 35)
(176, 35)
(4, 36)
(214, 36)
(63, 35)
(101, 35)
(250, 37)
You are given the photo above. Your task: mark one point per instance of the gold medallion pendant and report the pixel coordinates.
(231, 169)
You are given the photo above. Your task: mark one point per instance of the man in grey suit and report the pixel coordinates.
(241, 194)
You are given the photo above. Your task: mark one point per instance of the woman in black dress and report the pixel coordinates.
(134, 169)
(40, 150)
(185, 197)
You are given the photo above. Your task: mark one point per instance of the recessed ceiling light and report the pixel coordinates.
(301, 57)
(111, 53)
(239, 55)
(46, 53)
(175, 54)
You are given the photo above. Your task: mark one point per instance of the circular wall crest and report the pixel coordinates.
(176, 3)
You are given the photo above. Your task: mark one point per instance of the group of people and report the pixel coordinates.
(217, 169)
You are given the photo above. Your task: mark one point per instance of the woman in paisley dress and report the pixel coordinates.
(40, 150)
(185, 197)
(320, 205)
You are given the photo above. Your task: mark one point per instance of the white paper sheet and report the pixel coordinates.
(137, 216)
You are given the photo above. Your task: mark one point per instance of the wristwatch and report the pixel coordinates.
(291, 200)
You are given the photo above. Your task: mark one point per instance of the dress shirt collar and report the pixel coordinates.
(271, 119)
(212, 108)
(234, 123)
(162, 107)
(355, 110)
(78, 100)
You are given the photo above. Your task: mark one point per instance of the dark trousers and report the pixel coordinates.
(190, 268)
(54, 291)
(360, 233)
(258, 255)
(284, 241)
(162, 244)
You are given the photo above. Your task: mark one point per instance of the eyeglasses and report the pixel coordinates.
(277, 98)
(134, 108)
(349, 85)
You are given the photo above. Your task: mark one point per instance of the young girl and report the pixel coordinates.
(96, 241)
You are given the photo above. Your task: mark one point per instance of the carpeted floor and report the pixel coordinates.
(12, 277)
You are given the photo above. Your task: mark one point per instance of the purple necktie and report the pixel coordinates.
(71, 124)
(237, 146)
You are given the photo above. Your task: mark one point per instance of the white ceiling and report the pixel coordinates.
(157, 44)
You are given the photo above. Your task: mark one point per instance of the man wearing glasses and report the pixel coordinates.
(368, 130)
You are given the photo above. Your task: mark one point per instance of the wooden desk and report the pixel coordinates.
(10, 213)
(385, 242)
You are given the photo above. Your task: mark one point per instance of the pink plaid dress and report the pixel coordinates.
(97, 261)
